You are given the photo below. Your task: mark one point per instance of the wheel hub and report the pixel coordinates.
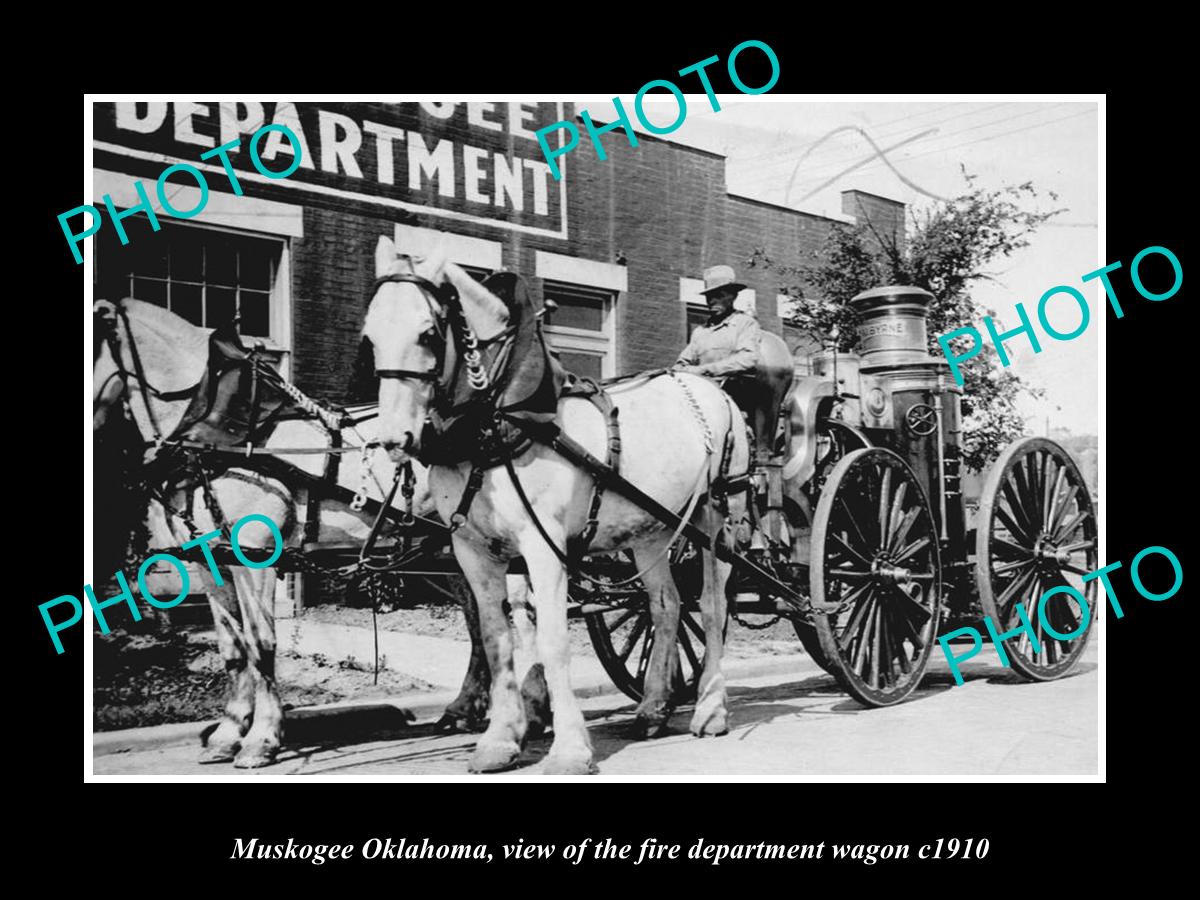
(883, 570)
(1045, 550)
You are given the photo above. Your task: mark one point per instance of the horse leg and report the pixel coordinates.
(711, 716)
(571, 752)
(256, 594)
(530, 673)
(659, 668)
(469, 709)
(223, 744)
(500, 745)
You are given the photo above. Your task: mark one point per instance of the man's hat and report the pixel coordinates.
(720, 277)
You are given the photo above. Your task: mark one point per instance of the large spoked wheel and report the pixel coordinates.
(875, 579)
(1036, 531)
(624, 636)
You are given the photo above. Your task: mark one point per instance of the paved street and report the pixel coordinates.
(795, 724)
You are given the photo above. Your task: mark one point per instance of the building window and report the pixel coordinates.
(581, 328)
(204, 275)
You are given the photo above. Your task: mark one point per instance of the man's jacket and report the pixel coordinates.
(728, 347)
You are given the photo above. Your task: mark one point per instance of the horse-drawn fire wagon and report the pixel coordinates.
(877, 553)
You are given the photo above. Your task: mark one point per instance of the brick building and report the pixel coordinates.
(619, 244)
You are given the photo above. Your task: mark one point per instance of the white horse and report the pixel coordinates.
(673, 432)
(173, 355)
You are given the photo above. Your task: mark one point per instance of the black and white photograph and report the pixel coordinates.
(673, 436)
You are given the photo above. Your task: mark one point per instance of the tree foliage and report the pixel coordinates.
(947, 250)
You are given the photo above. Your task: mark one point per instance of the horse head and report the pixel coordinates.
(409, 326)
(149, 357)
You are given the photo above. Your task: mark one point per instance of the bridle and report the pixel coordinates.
(451, 329)
(113, 340)
(448, 297)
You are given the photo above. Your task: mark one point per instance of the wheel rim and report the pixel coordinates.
(1037, 531)
(623, 638)
(876, 576)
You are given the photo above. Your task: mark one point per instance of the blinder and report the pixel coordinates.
(446, 295)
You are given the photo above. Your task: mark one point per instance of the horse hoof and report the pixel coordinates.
(493, 757)
(649, 726)
(715, 723)
(255, 756)
(569, 764)
(219, 753)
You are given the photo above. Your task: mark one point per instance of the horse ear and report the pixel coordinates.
(385, 255)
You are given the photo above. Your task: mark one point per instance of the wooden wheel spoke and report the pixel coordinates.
(903, 527)
(1014, 591)
(1063, 506)
(689, 621)
(1022, 553)
(1047, 498)
(905, 622)
(686, 643)
(854, 623)
(1014, 529)
(861, 633)
(1006, 568)
(853, 523)
(858, 556)
(1055, 497)
(875, 641)
(911, 609)
(896, 515)
(1019, 500)
(884, 502)
(1070, 526)
(1081, 545)
(633, 636)
(843, 574)
(621, 620)
(644, 659)
(915, 547)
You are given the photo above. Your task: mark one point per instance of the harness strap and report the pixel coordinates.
(512, 474)
(139, 371)
(603, 402)
(474, 483)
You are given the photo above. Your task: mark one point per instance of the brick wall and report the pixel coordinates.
(884, 215)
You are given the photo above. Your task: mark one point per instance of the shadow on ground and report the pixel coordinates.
(345, 739)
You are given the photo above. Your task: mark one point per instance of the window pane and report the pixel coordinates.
(574, 314)
(221, 263)
(254, 314)
(586, 364)
(255, 269)
(695, 316)
(146, 253)
(220, 306)
(185, 301)
(150, 290)
(577, 307)
(186, 255)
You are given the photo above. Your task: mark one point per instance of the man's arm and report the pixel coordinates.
(690, 356)
(744, 358)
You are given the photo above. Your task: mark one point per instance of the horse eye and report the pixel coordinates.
(427, 336)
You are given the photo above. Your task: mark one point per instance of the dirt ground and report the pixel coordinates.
(447, 621)
(151, 678)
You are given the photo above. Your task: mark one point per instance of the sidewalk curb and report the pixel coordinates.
(421, 706)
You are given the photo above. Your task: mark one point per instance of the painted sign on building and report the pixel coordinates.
(477, 162)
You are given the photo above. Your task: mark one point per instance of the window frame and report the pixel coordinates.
(279, 338)
(602, 342)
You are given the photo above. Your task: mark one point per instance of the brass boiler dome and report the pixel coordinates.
(891, 326)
